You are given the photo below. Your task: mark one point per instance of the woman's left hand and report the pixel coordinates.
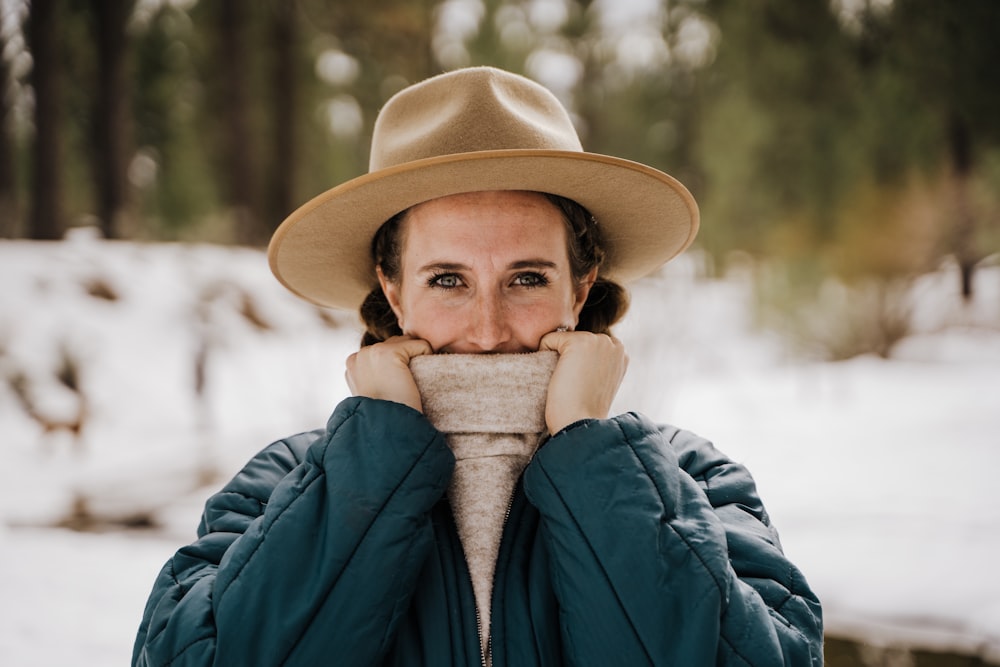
(586, 379)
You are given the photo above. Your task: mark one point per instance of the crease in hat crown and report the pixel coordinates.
(469, 111)
(476, 128)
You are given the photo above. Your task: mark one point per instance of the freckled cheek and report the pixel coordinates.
(531, 322)
(434, 323)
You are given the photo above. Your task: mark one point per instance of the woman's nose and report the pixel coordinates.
(488, 329)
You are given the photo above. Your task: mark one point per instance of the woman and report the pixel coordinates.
(473, 503)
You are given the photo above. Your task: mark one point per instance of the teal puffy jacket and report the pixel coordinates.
(626, 544)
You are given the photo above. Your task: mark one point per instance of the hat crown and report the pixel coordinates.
(467, 111)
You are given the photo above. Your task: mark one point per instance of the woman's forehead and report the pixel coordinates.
(510, 226)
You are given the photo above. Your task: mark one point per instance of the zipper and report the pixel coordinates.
(488, 650)
(485, 651)
(468, 577)
(479, 632)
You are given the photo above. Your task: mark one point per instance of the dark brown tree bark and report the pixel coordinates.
(111, 113)
(960, 150)
(45, 220)
(238, 150)
(8, 180)
(284, 100)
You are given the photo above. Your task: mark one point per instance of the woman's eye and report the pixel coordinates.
(531, 280)
(445, 280)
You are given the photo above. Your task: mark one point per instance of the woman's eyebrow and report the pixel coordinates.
(519, 264)
(442, 266)
(533, 264)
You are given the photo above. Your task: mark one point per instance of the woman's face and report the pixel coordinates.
(485, 272)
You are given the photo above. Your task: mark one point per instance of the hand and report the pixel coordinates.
(383, 370)
(586, 379)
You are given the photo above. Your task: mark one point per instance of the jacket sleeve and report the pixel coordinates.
(662, 554)
(300, 562)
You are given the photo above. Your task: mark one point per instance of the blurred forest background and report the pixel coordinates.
(852, 140)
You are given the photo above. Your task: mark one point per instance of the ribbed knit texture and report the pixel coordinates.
(491, 409)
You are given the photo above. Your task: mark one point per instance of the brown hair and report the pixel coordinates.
(606, 303)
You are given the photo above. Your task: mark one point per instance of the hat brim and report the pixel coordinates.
(322, 251)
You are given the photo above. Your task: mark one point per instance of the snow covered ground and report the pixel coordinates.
(188, 359)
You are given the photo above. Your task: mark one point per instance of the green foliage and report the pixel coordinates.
(177, 189)
(79, 65)
(779, 103)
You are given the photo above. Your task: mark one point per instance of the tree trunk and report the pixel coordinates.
(111, 117)
(284, 98)
(960, 147)
(8, 180)
(234, 84)
(46, 218)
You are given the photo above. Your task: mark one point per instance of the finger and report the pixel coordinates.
(556, 341)
(407, 346)
(416, 347)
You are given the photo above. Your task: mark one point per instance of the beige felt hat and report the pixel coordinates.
(478, 128)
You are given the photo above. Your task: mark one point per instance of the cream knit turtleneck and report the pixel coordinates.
(491, 409)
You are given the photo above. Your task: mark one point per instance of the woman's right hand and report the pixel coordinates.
(383, 370)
